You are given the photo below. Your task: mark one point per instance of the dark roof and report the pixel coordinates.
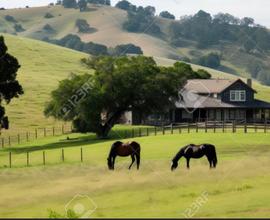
(209, 86)
(199, 101)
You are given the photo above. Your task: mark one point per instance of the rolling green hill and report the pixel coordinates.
(44, 65)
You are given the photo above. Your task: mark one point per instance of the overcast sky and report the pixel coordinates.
(257, 9)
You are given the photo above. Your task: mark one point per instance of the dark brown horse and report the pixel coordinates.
(118, 148)
(196, 151)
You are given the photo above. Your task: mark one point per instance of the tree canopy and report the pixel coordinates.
(9, 85)
(166, 14)
(94, 103)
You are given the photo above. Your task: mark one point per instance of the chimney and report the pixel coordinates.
(249, 82)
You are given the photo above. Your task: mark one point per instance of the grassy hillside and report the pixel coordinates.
(239, 187)
(42, 66)
(107, 20)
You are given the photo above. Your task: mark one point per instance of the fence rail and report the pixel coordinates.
(54, 156)
(25, 137)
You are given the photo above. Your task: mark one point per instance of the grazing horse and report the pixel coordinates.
(118, 148)
(196, 151)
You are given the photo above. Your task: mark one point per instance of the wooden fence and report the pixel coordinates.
(25, 137)
(33, 158)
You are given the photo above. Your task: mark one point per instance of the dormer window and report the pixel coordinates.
(237, 95)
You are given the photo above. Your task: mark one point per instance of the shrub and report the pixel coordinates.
(211, 60)
(48, 28)
(48, 15)
(83, 26)
(10, 18)
(127, 49)
(19, 28)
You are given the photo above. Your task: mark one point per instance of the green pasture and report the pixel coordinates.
(239, 187)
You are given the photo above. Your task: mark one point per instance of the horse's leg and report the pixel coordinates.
(138, 159)
(133, 160)
(210, 161)
(188, 159)
(113, 161)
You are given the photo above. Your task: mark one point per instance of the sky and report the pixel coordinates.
(259, 9)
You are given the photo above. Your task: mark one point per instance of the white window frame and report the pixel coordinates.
(238, 96)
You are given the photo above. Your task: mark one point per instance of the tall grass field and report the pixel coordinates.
(238, 187)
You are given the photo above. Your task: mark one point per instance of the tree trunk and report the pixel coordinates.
(106, 128)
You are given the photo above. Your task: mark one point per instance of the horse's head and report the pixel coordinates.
(109, 162)
(174, 165)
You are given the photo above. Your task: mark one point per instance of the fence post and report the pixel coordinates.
(223, 126)
(180, 130)
(63, 129)
(63, 155)
(215, 126)
(81, 154)
(147, 131)
(27, 158)
(19, 139)
(172, 129)
(188, 127)
(255, 127)
(36, 132)
(44, 159)
(155, 131)
(206, 126)
(3, 142)
(245, 128)
(27, 136)
(197, 127)
(163, 131)
(53, 131)
(10, 160)
(45, 132)
(9, 141)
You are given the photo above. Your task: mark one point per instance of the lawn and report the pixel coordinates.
(239, 187)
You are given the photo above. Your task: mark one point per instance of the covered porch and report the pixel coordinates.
(250, 115)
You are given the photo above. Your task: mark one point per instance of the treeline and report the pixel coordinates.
(142, 19)
(207, 30)
(81, 4)
(74, 42)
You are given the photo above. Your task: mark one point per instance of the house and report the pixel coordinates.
(212, 100)
(219, 100)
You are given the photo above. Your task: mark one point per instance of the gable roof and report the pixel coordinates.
(208, 86)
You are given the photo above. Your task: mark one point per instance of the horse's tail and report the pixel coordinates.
(215, 161)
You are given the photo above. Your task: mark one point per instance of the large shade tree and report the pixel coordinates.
(9, 86)
(96, 102)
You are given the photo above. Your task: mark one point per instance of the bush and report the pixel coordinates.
(10, 18)
(48, 28)
(48, 15)
(211, 60)
(83, 26)
(124, 49)
(18, 28)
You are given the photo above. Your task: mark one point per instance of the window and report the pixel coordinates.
(238, 95)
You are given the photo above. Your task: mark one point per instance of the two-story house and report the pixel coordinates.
(220, 100)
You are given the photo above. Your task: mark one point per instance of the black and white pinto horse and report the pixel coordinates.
(196, 151)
